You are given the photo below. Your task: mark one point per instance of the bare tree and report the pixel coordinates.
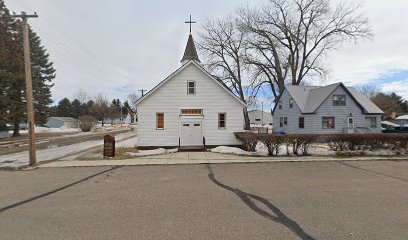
(289, 38)
(370, 91)
(82, 96)
(223, 46)
(101, 106)
(132, 99)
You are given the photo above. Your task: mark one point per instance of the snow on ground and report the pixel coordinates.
(54, 152)
(314, 150)
(51, 130)
(158, 151)
(260, 150)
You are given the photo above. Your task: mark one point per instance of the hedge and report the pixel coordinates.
(336, 142)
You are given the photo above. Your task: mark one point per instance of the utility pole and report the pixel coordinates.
(142, 90)
(29, 86)
(262, 122)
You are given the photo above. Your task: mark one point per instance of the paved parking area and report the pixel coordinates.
(280, 200)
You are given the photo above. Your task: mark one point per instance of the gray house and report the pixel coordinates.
(57, 122)
(260, 117)
(324, 110)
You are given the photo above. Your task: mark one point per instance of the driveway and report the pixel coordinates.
(285, 200)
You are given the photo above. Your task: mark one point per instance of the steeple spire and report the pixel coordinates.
(190, 53)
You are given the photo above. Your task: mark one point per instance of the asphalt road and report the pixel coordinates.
(314, 200)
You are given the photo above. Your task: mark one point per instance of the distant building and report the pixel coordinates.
(260, 117)
(58, 122)
(402, 121)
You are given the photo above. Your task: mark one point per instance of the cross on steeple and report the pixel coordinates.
(190, 22)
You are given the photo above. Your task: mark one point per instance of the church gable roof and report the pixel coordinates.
(175, 73)
(190, 53)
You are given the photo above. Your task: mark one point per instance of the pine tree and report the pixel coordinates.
(43, 73)
(12, 81)
(64, 108)
(11, 70)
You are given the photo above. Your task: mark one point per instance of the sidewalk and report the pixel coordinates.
(206, 158)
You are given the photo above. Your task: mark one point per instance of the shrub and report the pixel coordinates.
(337, 142)
(248, 139)
(372, 141)
(274, 141)
(86, 123)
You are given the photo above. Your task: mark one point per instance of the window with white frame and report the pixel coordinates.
(291, 103)
(371, 122)
(339, 100)
(280, 104)
(191, 87)
(328, 122)
(222, 120)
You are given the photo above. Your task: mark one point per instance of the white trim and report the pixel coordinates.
(178, 71)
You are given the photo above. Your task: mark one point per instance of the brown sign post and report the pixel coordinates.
(108, 146)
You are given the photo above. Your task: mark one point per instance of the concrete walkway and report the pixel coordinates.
(207, 157)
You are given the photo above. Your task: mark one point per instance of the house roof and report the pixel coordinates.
(403, 117)
(178, 71)
(309, 99)
(390, 124)
(64, 119)
(190, 53)
(257, 110)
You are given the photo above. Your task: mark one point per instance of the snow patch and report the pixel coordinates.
(158, 151)
(260, 150)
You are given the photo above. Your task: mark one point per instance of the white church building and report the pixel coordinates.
(189, 109)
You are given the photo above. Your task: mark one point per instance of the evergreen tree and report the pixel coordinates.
(75, 109)
(64, 108)
(12, 81)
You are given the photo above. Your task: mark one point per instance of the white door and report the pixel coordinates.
(191, 134)
(350, 122)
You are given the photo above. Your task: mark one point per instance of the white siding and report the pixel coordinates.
(172, 97)
(313, 122)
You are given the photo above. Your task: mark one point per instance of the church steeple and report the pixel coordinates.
(190, 53)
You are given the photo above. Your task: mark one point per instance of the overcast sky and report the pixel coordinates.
(119, 47)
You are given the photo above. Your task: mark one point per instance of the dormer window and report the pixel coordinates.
(191, 88)
(339, 100)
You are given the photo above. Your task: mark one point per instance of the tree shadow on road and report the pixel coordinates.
(3, 209)
(370, 171)
(276, 215)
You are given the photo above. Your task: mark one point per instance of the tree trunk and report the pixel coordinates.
(16, 127)
(246, 118)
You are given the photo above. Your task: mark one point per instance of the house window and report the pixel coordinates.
(280, 104)
(371, 122)
(191, 88)
(328, 122)
(301, 122)
(257, 119)
(291, 103)
(192, 112)
(283, 121)
(160, 121)
(221, 120)
(339, 100)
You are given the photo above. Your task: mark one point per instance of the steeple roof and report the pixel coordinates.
(190, 53)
